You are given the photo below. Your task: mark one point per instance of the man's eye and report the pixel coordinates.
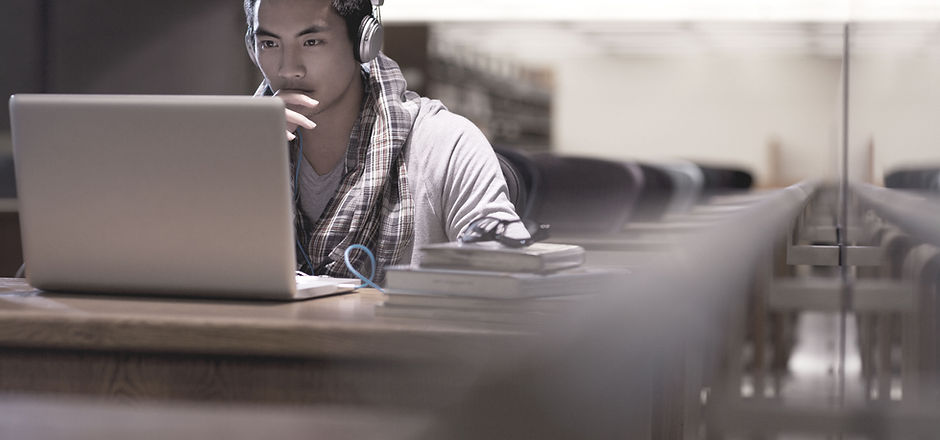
(267, 44)
(313, 42)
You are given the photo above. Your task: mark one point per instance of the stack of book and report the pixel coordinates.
(492, 256)
(492, 283)
(442, 307)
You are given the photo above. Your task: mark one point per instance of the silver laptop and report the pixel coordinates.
(178, 195)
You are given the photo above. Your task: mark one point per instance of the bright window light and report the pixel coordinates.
(661, 10)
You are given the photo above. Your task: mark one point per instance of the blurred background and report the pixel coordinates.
(595, 79)
(755, 84)
(844, 92)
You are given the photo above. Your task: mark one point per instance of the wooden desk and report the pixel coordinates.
(32, 418)
(327, 350)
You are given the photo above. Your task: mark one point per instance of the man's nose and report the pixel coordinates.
(292, 65)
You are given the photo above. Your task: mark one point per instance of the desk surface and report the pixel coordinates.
(28, 418)
(342, 326)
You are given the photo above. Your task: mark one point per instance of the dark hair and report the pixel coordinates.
(352, 12)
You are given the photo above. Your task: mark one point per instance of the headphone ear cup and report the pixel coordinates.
(371, 35)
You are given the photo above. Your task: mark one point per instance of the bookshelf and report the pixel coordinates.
(511, 102)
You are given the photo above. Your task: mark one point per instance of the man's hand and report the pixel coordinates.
(297, 106)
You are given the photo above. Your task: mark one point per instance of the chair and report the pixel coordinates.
(688, 183)
(11, 254)
(927, 178)
(521, 177)
(722, 179)
(585, 195)
(655, 197)
(7, 178)
(921, 346)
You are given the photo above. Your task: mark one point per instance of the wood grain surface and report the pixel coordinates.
(34, 418)
(326, 350)
(339, 326)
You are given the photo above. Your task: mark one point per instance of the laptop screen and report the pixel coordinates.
(156, 194)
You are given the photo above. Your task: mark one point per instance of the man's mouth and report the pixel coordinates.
(294, 90)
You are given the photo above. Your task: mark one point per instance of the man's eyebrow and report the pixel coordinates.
(310, 30)
(265, 33)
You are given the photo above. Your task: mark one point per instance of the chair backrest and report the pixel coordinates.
(7, 178)
(688, 183)
(927, 178)
(585, 195)
(895, 246)
(518, 193)
(657, 192)
(720, 179)
(922, 271)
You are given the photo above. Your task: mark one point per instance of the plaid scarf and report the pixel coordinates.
(373, 205)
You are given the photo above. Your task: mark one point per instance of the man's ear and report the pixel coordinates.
(250, 46)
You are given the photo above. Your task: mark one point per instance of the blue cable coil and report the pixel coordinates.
(366, 281)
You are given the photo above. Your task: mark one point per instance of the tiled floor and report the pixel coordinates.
(815, 375)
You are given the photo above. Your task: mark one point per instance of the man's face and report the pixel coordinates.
(302, 46)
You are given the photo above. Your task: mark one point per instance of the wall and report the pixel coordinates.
(21, 55)
(175, 46)
(894, 106)
(723, 109)
(122, 46)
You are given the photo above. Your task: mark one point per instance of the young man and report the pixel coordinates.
(374, 164)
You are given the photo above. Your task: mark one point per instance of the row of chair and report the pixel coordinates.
(592, 195)
(911, 260)
(920, 178)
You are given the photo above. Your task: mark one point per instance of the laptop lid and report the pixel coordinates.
(182, 195)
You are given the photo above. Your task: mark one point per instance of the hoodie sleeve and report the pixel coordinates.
(462, 165)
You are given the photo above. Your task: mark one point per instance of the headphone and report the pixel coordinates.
(371, 34)
(368, 42)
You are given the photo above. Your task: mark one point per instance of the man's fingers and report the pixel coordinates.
(298, 99)
(298, 120)
(294, 118)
